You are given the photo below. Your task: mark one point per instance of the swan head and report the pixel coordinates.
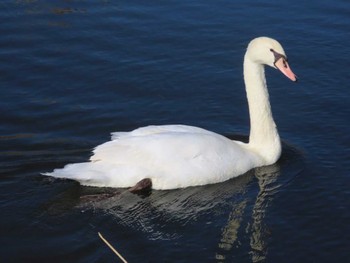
(268, 51)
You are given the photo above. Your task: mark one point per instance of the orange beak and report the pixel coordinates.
(283, 66)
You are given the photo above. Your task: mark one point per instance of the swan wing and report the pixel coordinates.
(172, 156)
(156, 129)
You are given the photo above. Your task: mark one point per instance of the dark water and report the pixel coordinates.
(71, 72)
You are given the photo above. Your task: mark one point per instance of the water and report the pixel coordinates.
(71, 72)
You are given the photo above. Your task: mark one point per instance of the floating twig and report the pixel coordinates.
(112, 248)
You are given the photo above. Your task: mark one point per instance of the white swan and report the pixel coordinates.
(176, 156)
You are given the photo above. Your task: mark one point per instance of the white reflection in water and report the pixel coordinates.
(166, 215)
(163, 214)
(257, 230)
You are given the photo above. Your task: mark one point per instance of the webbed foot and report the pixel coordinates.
(142, 186)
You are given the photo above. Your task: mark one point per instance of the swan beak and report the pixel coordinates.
(283, 66)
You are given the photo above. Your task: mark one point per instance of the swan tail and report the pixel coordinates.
(84, 173)
(100, 174)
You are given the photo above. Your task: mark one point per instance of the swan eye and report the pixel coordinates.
(278, 56)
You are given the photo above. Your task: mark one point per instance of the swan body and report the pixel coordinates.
(177, 156)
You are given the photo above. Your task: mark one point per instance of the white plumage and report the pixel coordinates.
(176, 156)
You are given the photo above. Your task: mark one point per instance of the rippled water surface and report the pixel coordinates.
(71, 72)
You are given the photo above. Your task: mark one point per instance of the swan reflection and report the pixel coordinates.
(199, 211)
(256, 229)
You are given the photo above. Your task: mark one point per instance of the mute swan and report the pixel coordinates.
(177, 156)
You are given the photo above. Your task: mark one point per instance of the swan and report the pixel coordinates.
(177, 156)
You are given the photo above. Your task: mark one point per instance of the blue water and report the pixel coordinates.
(71, 72)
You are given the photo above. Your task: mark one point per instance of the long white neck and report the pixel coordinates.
(263, 138)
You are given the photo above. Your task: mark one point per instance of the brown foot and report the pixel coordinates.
(142, 186)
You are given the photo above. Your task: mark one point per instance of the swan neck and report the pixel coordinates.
(263, 138)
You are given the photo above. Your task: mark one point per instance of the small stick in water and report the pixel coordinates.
(112, 248)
